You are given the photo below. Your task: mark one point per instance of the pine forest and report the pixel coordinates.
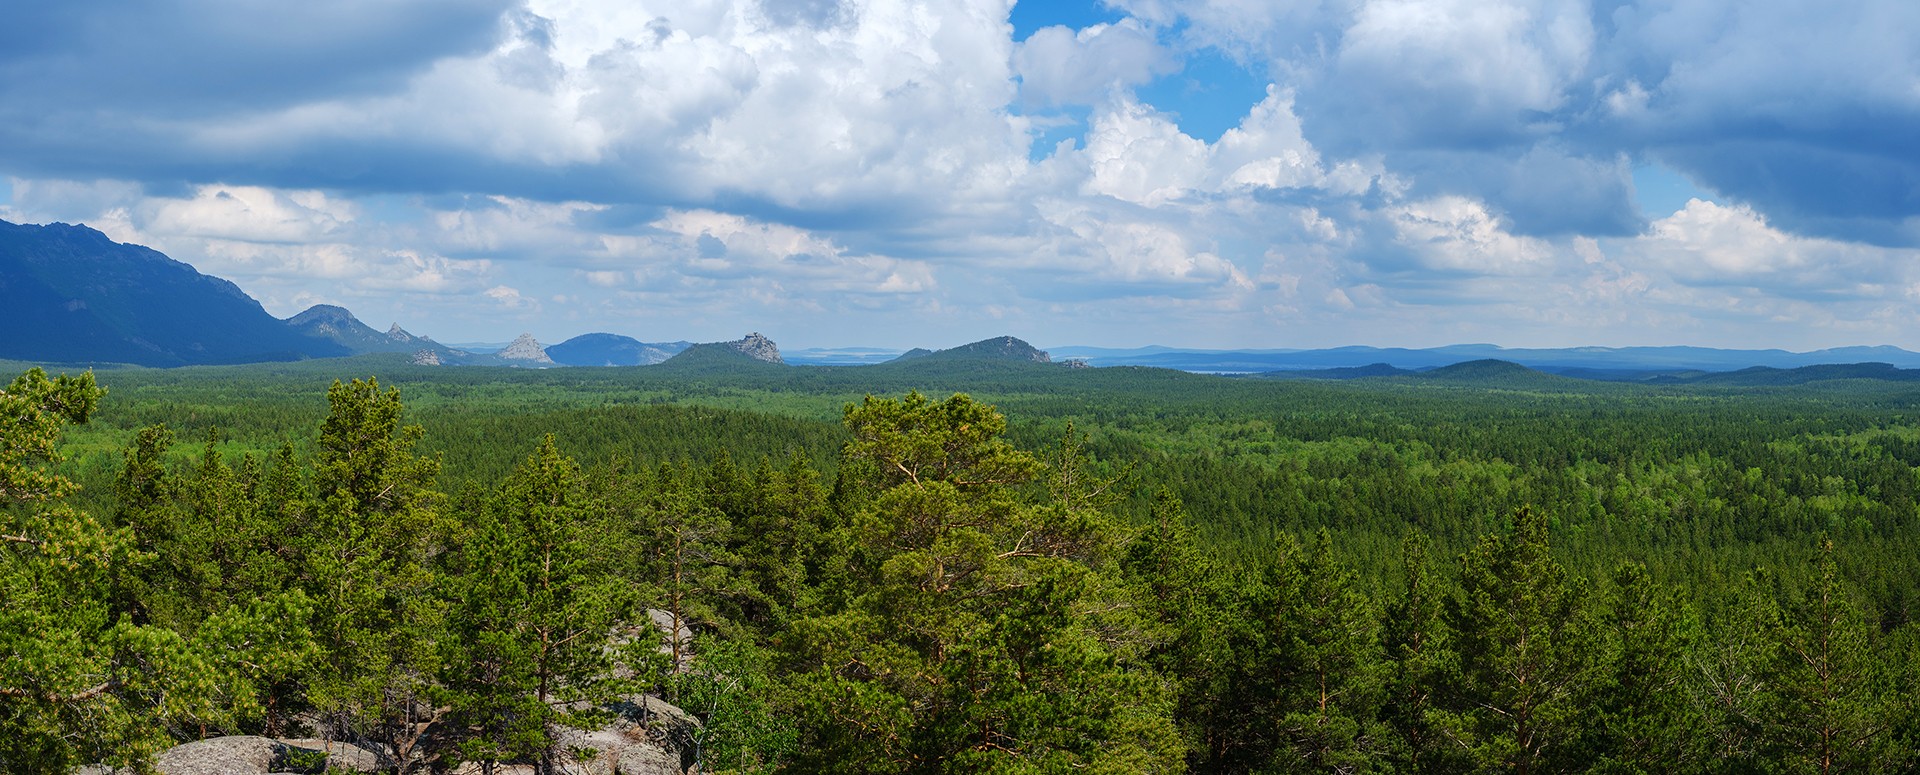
(966, 567)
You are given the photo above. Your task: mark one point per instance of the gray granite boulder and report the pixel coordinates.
(246, 755)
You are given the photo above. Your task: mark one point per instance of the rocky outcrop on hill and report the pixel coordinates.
(758, 348)
(676, 639)
(526, 349)
(999, 348)
(327, 320)
(1005, 347)
(338, 325)
(645, 734)
(224, 756)
(648, 737)
(426, 358)
(341, 757)
(398, 334)
(754, 351)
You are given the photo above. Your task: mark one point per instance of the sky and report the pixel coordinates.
(899, 173)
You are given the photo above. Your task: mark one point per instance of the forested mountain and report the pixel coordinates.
(73, 296)
(1491, 373)
(338, 324)
(752, 351)
(1763, 376)
(999, 348)
(611, 350)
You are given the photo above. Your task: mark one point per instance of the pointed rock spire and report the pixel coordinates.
(525, 348)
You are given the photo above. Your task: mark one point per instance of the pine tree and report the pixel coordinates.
(145, 493)
(978, 647)
(1826, 706)
(1422, 668)
(363, 540)
(1325, 664)
(1645, 718)
(1527, 653)
(529, 620)
(1186, 604)
(79, 681)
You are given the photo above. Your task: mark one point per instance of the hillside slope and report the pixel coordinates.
(72, 295)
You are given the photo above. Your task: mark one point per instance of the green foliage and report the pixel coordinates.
(525, 651)
(1645, 716)
(936, 598)
(79, 682)
(1422, 671)
(1826, 707)
(978, 644)
(1191, 624)
(734, 689)
(363, 542)
(1526, 644)
(917, 441)
(1324, 663)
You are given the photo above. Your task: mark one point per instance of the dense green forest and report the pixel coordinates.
(967, 567)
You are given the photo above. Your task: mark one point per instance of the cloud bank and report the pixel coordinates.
(902, 173)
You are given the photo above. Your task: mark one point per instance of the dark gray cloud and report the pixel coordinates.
(1542, 190)
(1826, 189)
(122, 90)
(1805, 111)
(164, 59)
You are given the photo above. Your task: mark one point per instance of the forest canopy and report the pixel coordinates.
(1135, 572)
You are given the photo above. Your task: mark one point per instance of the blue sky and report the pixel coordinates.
(901, 173)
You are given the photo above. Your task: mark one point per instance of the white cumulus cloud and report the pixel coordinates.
(1061, 66)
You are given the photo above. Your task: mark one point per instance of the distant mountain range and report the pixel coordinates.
(1619, 363)
(840, 356)
(1506, 374)
(71, 295)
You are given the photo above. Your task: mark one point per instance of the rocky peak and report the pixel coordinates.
(326, 320)
(323, 313)
(398, 334)
(1015, 348)
(758, 348)
(1004, 348)
(525, 348)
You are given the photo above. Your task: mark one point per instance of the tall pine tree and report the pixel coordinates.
(363, 540)
(529, 617)
(1527, 649)
(80, 682)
